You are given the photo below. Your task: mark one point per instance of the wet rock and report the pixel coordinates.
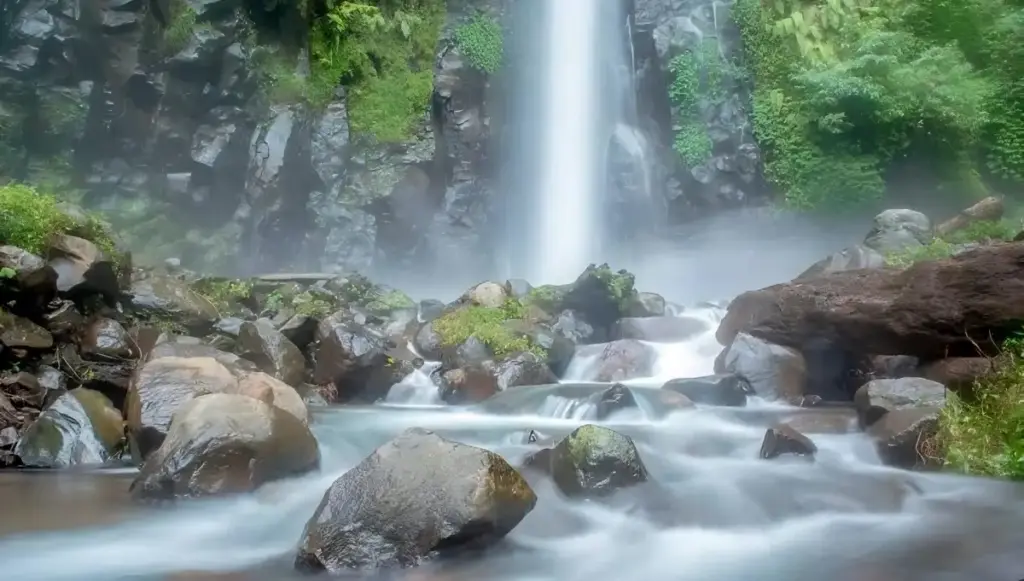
(20, 333)
(852, 258)
(614, 399)
(932, 310)
(161, 387)
(895, 394)
(428, 310)
(469, 384)
(428, 342)
(187, 347)
(415, 497)
(105, 338)
(81, 428)
(893, 366)
(300, 330)
(659, 329)
(599, 295)
(82, 268)
(523, 369)
(784, 440)
(772, 371)
(625, 359)
(267, 388)
(24, 389)
(53, 382)
(835, 420)
(226, 444)
(724, 389)
(8, 436)
(163, 298)
(19, 260)
(957, 373)
(472, 351)
(593, 461)
(354, 359)
(37, 281)
(486, 294)
(271, 351)
(905, 437)
(575, 329)
(898, 230)
(645, 305)
(65, 322)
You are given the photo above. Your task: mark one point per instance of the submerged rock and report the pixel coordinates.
(625, 359)
(417, 496)
(592, 462)
(724, 389)
(225, 444)
(784, 440)
(81, 428)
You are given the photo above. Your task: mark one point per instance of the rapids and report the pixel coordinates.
(715, 512)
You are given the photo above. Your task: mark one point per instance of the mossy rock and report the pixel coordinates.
(488, 325)
(593, 461)
(227, 295)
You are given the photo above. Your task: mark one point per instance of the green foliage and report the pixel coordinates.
(697, 75)
(383, 53)
(180, 28)
(7, 272)
(279, 80)
(846, 89)
(980, 232)
(983, 432)
(480, 41)
(29, 218)
(223, 293)
(487, 325)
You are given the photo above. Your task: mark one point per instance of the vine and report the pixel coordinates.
(480, 40)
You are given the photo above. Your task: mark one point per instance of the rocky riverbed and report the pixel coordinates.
(255, 396)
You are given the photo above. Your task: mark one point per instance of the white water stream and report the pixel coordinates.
(714, 512)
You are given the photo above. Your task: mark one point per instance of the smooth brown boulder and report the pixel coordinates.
(81, 428)
(933, 309)
(281, 395)
(226, 444)
(271, 351)
(958, 373)
(783, 440)
(82, 268)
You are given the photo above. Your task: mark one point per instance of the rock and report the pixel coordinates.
(81, 428)
(24, 389)
(599, 295)
(428, 342)
(614, 399)
(354, 359)
(784, 440)
(37, 281)
(105, 338)
(300, 330)
(989, 209)
(957, 373)
(188, 347)
(905, 436)
(20, 333)
(575, 329)
(645, 305)
(523, 369)
(225, 444)
(417, 496)
(271, 351)
(932, 310)
(65, 322)
(281, 395)
(893, 366)
(19, 260)
(53, 382)
(472, 351)
(659, 329)
(82, 268)
(163, 298)
(469, 384)
(161, 387)
(898, 230)
(593, 462)
(903, 393)
(853, 258)
(625, 359)
(486, 294)
(725, 389)
(772, 371)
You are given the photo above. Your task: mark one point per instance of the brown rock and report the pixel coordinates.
(20, 333)
(271, 351)
(105, 338)
(989, 209)
(905, 437)
(957, 373)
(281, 394)
(784, 440)
(24, 390)
(82, 267)
(932, 310)
(471, 383)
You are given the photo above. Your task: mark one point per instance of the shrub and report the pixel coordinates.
(480, 40)
(28, 219)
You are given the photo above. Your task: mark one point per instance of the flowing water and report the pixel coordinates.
(713, 511)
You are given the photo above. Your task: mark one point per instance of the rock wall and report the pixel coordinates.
(731, 175)
(175, 118)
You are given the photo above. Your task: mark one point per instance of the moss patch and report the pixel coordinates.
(487, 325)
(983, 433)
(224, 294)
(480, 41)
(981, 232)
(180, 28)
(29, 218)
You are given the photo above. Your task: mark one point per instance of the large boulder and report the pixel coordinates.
(591, 462)
(414, 497)
(902, 393)
(81, 428)
(725, 389)
(224, 444)
(354, 359)
(898, 230)
(268, 348)
(932, 310)
(773, 371)
(82, 268)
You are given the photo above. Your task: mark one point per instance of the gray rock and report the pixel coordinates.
(902, 393)
(773, 371)
(898, 230)
(646, 305)
(82, 427)
(271, 351)
(727, 389)
(625, 359)
(594, 461)
(853, 258)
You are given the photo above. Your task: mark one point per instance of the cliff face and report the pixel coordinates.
(189, 122)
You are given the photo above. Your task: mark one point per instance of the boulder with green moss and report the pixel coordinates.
(592, 461)
(416, 497)
(488, 326)
(599, 295)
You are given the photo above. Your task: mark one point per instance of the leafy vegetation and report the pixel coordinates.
(982, 232)
(382, 52)
(180, 28)
(849, 91)
(697, 75)
(480, 41)
(983, 432)
(223, 293)
(487, 325)
(29, 218)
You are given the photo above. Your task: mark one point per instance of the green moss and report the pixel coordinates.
(314, 304)
(590, 441)
(390, 300)
(487, 325)
(619, 284)
(29, 218)
(480, 41)
(224, 294)
(983, 432)
(279, 79)
(982, 231)
(180, 28)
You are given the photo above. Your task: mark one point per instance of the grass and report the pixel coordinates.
(983, 433)
(29, 218)
(487, 325)
(983, 232)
